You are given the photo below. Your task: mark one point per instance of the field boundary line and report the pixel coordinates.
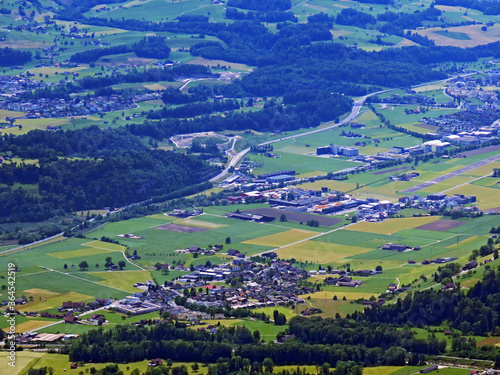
(33, 273)
(89, 281)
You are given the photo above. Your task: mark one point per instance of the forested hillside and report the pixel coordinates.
(89, 168)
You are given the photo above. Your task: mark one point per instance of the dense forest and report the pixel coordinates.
(9, 57)
(269, 16)
(170, 340)
(87, 169)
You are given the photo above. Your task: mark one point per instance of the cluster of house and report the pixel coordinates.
(264, 286)
(393, 288)
(12, 86)
(474, 88)
(247, 166)
(439, 201)
(272, 285)
(375, 210)
(76, 106)
(327, 201)
(411, 98)
(475, 125)
(198, 250)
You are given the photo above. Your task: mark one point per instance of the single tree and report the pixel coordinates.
(268, 365)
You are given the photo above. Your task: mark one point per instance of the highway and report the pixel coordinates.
(356, 109)
(452, 174)
(234, 160)
(355, 112)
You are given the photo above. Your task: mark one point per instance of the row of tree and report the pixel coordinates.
(150, 46)
(10, 57)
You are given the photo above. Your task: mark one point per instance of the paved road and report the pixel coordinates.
(31, 244)
(452, 174)
(356, 108)
(234, 160)
(354, 113)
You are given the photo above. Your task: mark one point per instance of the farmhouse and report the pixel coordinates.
(155, 362)
(394, 247)
(365, 272)
(233, 252)
(350, 284)
(71, 305)
(249, 217)
(71, 319)
(469, 266)
(48, 338)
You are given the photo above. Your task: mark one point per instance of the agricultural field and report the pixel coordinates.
(281, 239)
(377, 184)
(397, 116)
(113, 319)
(56, 266)
(357, 246)
(301, 163)
(215, 64)
(373, 130)
(463, 36)
(157, 10)
(301, 152)
(50, 275)
(60, 364)
(392, 226)
(23, 360)
(23, 126)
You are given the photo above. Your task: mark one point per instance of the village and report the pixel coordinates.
(11, 88)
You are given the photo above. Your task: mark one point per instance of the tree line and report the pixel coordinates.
(9, 57)
(485, 6)
(150, 46)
